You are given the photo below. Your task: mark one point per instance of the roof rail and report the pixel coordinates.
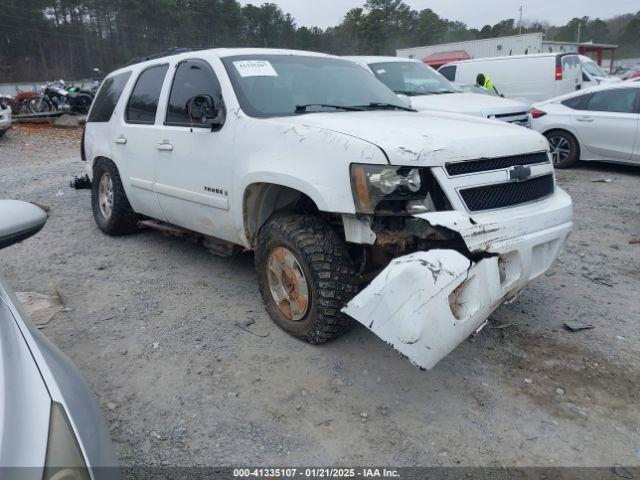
(166, 53)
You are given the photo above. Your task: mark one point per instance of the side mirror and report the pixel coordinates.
(205, 110)
(18, 221)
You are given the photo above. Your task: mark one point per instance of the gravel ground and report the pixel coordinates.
(190, 370)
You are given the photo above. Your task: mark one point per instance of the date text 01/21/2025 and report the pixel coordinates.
(315, 472)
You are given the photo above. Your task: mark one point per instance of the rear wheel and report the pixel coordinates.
(111, 208)
(564, 148)
(306, 276)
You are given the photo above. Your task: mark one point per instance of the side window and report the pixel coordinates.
(577, 103)
(108, 97)
(143, 102)
(620, 100)
(193, 78)
(449, 72)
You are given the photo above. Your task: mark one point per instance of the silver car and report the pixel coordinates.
(50, 423)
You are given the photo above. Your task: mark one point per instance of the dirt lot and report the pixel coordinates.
(190, 370)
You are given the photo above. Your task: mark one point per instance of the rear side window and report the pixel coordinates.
(193, 78)
(577, 103)
(143, 102)
(448, 72)
(620, 100)
(108, 97)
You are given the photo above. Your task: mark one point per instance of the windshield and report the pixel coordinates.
(411, 78)
(282, 85)
(592, 68)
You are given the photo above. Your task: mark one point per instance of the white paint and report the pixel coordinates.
(357, 230)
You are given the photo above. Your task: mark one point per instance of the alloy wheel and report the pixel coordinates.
(560, 148)
(105, 195)
(287, 283)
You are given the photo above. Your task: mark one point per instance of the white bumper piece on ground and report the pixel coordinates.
(426, 303)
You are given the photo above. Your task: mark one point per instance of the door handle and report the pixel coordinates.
(165, 145)
(121, 140)
(585, 119)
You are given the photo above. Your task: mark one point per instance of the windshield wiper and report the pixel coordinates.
(303, 108)
(408, 93)
(386, 106)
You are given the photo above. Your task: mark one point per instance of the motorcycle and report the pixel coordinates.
(19, 104)
(58, 96)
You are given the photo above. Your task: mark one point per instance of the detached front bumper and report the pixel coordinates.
(427, 303)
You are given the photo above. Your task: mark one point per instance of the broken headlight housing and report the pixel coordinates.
(390, 190)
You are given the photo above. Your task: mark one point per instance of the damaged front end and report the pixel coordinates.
(425, 303)
(436, 272)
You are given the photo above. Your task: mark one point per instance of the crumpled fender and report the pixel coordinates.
(426, 303)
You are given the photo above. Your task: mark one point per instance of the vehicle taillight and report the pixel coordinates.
(558, 73)
(535, 113)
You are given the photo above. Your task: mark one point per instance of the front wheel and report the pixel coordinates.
(39, 104)
(564, 148)
(306, 276)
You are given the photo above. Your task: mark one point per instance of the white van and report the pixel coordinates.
(593, 75)
(535, 77)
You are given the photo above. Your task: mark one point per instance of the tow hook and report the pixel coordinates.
(80, 183)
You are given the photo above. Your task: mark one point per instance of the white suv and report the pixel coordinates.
(427, 89)
(416, 225)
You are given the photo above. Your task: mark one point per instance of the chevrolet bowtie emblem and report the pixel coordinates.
(519, 173)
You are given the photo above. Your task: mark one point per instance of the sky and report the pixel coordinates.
(475, 13)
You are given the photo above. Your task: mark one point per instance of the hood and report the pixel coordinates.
(468, 104)
(24, 399)
(609, 79)
(427, 138)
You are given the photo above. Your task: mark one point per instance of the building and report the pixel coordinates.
(437, 55)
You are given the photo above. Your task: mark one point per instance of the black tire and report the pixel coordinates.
(2, 132)
(122, 219)
(328, 270)
(557, 138)
(39, 104)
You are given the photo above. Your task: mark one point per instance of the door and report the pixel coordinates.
(193, 160)
(568, 74)
(135, 138)
(608, 124)
(588, 81)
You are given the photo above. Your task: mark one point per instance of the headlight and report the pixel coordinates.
(392, 190)
(64, 460)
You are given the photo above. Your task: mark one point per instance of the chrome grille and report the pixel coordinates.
(488, 164)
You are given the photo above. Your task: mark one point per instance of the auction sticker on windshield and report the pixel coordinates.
(255, 68)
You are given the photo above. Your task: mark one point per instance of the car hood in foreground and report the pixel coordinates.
(45, 374)
(427, 138)
(468, 103)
